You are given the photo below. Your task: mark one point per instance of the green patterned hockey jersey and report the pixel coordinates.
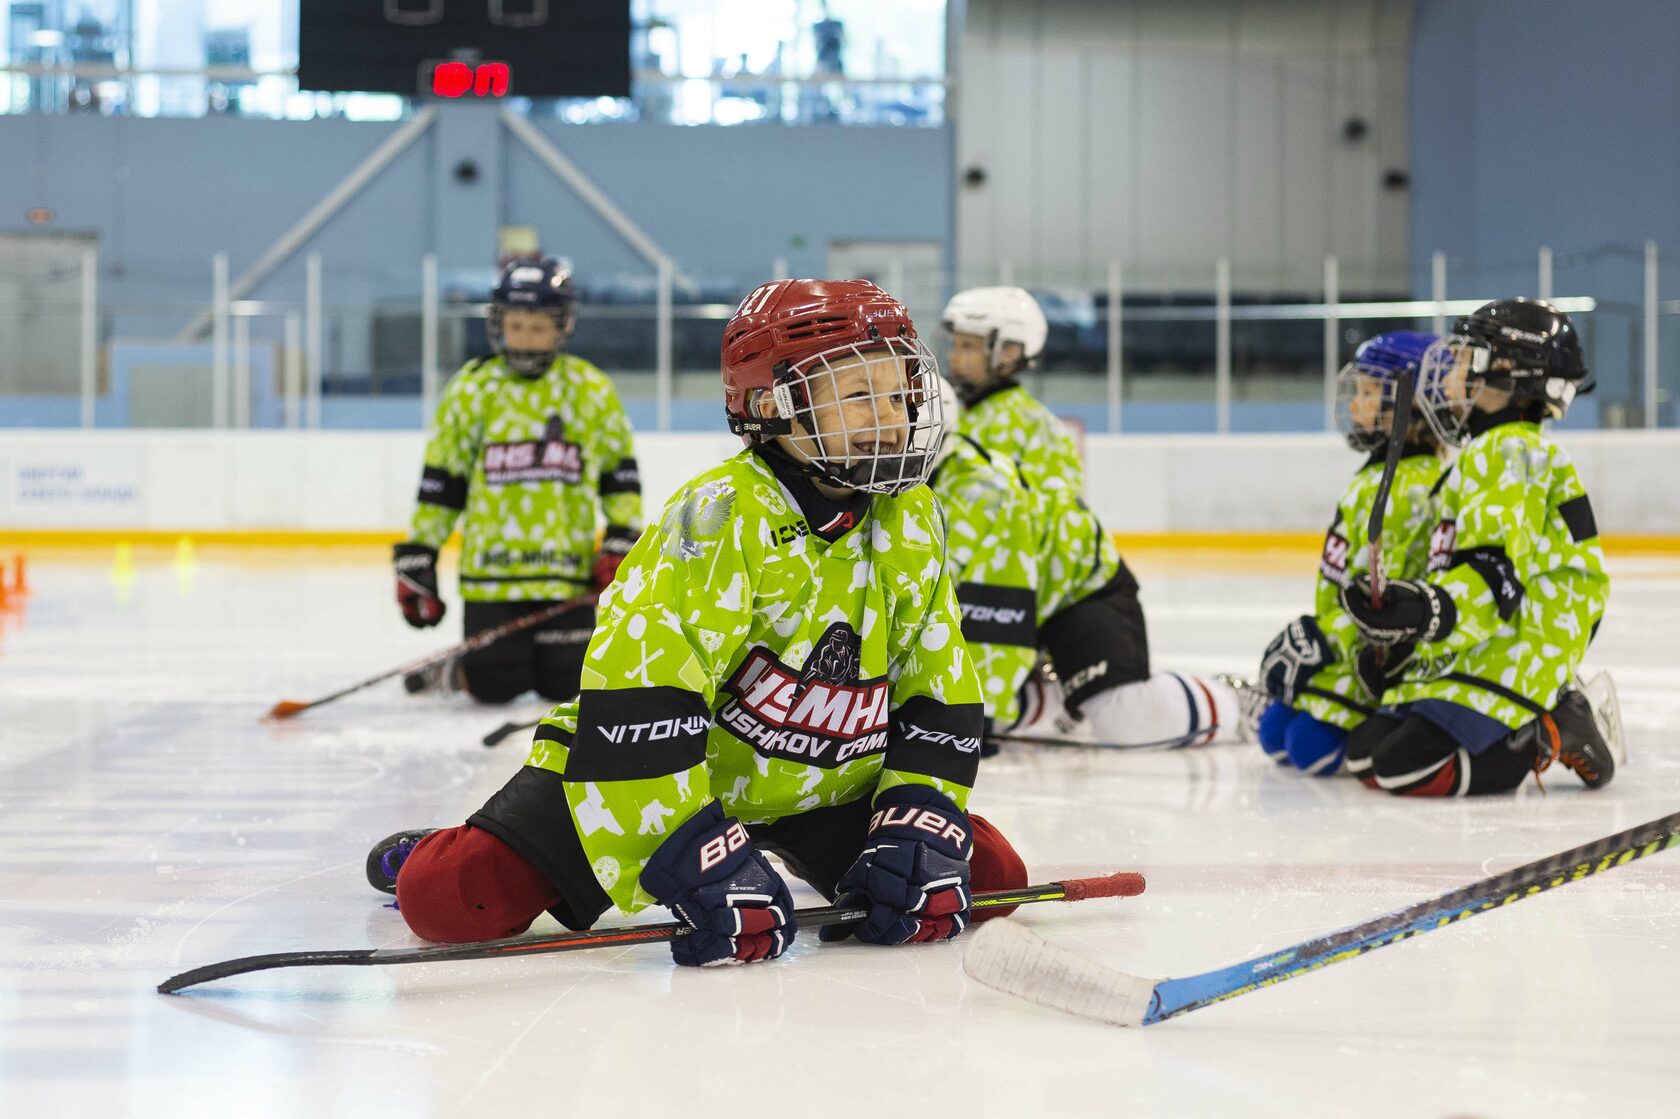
(1517, 549)
(1018, 555)
(1334, 694)
(1005, 417)
(749, 655)
(534, 463)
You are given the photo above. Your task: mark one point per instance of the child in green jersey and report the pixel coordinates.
(1482, 651)
(1035, 570)
(779, 667)
(995, 334)
(531, 452)
(1320, 673)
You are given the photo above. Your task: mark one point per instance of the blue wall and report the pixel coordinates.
(164, 195)
(1557, 122)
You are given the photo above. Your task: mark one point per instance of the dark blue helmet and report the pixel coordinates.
(533, 285)
(1365, 386)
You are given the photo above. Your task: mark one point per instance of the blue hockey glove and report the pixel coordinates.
(709, 873)
(913, 873)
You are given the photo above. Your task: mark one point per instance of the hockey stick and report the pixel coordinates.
(1194, 738)
(503, 732)
(1012, 958)
(286, 708)
(1402, 422)
(1123, 884)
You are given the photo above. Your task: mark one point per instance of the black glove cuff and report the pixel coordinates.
(1440, 613)
(404, 554)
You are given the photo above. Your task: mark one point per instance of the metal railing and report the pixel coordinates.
(742, 99)
(1121, 351)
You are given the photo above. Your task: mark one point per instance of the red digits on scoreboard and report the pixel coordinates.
(491, 80)
(452, 79)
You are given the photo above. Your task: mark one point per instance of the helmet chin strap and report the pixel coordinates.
(805, 466)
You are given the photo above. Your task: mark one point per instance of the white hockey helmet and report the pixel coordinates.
(1002, 316)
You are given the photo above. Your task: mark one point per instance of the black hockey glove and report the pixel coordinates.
(913, 873)
(709, 873)
(1412, 610)
(417, 585)
(1293, 657)
(1380, 668)
(615, 545)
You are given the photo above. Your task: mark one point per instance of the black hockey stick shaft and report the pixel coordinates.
(1192, 738)
(1119, 884)
(286, 708)
(1398, 427)
(507, 730)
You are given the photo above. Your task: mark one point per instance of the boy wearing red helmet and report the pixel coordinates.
(779, 667)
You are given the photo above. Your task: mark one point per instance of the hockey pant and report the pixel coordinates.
(1408, 755)
(547, 657)
(1100, 649)
(520, 855)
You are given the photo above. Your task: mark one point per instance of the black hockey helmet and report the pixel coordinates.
(1526, 346)
(533, 285)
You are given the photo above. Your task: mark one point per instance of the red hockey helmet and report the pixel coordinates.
(789, 333)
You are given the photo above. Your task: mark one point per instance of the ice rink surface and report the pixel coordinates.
(149, 823)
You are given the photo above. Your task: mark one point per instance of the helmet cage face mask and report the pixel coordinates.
(529, 363)
(1451, 377)
(1365, 404)
(885, 395)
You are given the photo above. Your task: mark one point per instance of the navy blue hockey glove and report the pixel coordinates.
(1412, 610)
(913, 873)
(417, 585)
(1293, 657)
(709, 873)
(1380, 671)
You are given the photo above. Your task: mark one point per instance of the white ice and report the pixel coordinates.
(149, 823)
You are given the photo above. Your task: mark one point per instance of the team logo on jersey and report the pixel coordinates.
(700, 517)
(1334, 564)
(1443, 542)
(550, 459)
(822, 714)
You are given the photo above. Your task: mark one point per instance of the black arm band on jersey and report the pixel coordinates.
(940, 740)
(626, 477)
(1577, 514)
(998, 615)
(1498, 572)
(628, 734)
(439, 487)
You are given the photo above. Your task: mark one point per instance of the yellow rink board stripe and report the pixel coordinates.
(22, 539)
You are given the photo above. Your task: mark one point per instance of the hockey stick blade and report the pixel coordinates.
(506, 731)
(285, 709)
(1119, 884)
(1015, 960)
(1008, 956)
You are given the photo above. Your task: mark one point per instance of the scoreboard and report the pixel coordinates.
(466, 48)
